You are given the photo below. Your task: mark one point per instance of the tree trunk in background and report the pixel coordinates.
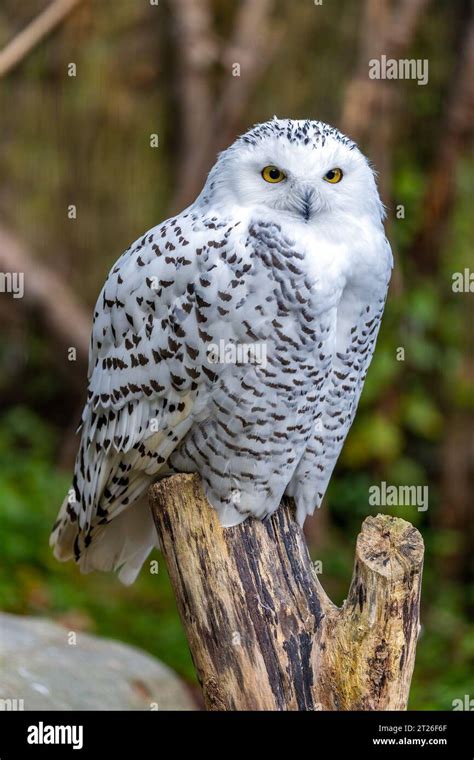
(456, 460)
(455, 137)
(209, 123)
(49, 301)
(262, 632)
(370, 107)
(457, 486)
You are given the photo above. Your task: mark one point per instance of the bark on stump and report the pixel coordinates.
(263, 633)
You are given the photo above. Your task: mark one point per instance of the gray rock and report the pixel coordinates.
(40, 669)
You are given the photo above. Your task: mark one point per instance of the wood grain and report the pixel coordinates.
(262, 632)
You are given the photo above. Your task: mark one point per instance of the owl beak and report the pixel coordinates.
(307, 202)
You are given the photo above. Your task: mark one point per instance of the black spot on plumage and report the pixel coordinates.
(201, 302)
(192, 352)
(211, 375)
(156, 386)
(71, 512)
(205, 337)
(178, 331)
(177, 380)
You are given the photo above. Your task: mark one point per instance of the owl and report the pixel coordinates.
(232, 341)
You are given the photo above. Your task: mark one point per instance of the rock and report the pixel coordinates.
(41, 670)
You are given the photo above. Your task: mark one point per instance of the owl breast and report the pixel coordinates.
(277, 425)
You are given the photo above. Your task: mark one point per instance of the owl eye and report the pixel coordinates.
(273, 174)
(333, 176)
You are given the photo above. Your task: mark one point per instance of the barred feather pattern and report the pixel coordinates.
(159, 402)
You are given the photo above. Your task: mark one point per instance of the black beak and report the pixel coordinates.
(306, 205)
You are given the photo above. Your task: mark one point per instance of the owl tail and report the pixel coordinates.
(121, 545)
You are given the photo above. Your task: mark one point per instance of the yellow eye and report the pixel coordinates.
(272, 174)
(333, 176)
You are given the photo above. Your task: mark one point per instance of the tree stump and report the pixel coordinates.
(262, 632)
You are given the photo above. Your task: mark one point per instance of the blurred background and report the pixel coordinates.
(112, 113)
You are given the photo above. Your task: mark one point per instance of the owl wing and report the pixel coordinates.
(148, 373)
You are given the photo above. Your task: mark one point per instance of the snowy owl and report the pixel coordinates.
(232, 340)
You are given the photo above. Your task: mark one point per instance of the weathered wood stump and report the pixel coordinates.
(263, 633)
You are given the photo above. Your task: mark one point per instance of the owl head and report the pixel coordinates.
(303, 169)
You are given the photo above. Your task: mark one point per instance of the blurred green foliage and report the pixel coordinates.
(33, 582)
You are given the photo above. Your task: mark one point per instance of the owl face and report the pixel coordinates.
(305, 170)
